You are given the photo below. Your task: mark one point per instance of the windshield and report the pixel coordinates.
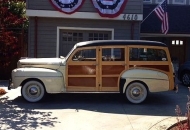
(70, 52)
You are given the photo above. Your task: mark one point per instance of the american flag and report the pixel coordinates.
(161, 11)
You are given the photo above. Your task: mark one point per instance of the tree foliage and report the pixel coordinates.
(12, 21)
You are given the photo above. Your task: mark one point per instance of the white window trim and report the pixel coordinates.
(147, 1)
(174, 2)
(78, 28)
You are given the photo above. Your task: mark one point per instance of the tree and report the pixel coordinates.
(12, 20)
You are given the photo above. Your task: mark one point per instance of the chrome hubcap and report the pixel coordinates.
(136, 92)
(33, 90)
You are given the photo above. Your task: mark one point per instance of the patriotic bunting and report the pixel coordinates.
(109, 8)
(105, 8)
(67, 6)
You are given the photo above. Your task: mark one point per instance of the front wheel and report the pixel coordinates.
(33, 91)
(136, 92)
(186, 78)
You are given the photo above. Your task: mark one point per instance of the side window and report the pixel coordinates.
(85, 55)
(147, 54)
(113, 54)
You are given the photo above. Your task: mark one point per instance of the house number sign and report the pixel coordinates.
(131, 17)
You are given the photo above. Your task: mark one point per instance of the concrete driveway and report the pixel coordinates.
(90, 111)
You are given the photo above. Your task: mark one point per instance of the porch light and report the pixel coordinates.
(181, 42)
(177, 42)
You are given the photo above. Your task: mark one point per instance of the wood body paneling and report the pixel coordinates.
(82, 75)
(104, 76)
(110, 81)
(82, 70)
(93, 75)
(112, 69)
(82, 81)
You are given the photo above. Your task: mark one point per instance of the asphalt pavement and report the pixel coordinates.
(75, 111)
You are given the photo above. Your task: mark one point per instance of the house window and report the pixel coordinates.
(179, 2)
(177, 42)
(72, 36)
(160, 1)
(98, 36)
(147, 1)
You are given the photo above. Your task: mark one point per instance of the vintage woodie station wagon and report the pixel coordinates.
(131, 67)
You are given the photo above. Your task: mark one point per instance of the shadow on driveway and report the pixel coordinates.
(16, 116)
(157, 104)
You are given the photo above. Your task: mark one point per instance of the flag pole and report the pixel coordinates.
(151, 12)
(147, 16)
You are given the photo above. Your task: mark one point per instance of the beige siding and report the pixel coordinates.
(47, 32)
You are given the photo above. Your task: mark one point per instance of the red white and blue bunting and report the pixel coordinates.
(67, 6)
(105, 8)
(109, 8)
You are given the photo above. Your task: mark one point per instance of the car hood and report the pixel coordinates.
(52, 63)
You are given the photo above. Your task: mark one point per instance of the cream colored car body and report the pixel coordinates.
(52, 75)
(50, 71)
(77, 73)
(155, 80)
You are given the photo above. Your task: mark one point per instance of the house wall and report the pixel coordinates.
(47, 26)
(47, 32)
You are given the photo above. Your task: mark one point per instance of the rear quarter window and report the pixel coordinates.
(147, 54)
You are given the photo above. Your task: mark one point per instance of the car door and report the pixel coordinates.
(112, 64)
(82, 70)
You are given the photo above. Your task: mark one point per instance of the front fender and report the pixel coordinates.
(52, 79)
(156, 81)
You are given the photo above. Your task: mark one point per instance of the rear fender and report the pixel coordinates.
(156, 81)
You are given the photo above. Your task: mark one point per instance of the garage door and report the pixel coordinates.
(68, 38)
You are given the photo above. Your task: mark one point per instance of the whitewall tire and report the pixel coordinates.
(136, 92)
(33, 91)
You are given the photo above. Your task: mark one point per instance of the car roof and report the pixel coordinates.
(119, 42)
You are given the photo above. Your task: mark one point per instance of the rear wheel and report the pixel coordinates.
(185, 78)
(136, 92)
(33, 91)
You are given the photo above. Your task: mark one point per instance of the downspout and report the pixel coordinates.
(132, 30)
(36, 38)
